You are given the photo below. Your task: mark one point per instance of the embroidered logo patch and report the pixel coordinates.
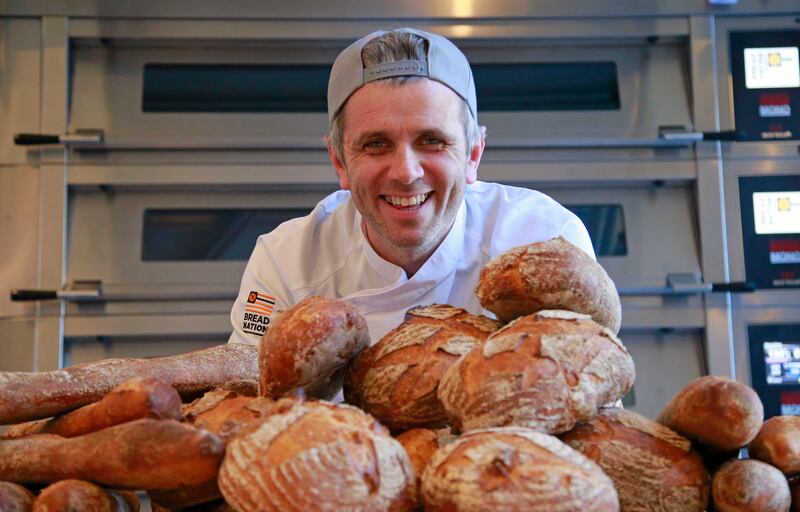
(257, 312)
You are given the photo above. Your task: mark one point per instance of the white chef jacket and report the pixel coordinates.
(326, 253)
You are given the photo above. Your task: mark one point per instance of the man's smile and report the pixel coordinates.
(407, 201)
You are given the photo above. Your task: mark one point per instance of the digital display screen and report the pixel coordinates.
(776, 213)
(771, 68)
(782, 362)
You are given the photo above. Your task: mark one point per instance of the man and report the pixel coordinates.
(411, 225)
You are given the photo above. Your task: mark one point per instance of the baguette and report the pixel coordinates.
(140, 397)
(28, 396)
(15, 498)
(78, 495)
(141, 454)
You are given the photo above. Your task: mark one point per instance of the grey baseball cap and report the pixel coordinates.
(446, 64)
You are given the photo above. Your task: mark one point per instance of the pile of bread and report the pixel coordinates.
(448, 411)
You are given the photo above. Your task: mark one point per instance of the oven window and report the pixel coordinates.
(606, 226)
(546, 86)
(208, 234)
(235, 88)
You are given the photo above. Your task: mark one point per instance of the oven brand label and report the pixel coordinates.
(774, 105)
(257, 312)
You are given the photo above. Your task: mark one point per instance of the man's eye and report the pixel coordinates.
(375, 144)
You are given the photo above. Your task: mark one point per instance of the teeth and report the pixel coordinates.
(406, 201)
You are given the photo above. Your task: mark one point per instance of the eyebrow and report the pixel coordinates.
(381, 134)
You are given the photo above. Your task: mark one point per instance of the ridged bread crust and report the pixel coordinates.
(308, 347)
(747, 485)
(717, 412)
(554, 274)
(653, 468)
(317, 456)
(778, 443)
(396, 379)
(545, 371)
(514, 469)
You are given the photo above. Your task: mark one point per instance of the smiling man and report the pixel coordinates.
(411, 225)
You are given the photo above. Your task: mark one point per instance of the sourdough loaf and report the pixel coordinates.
(396, 379)
(33, 395)
(420, 445)
(549, 275)
(778, 443)
(514, 469)
(717, 412)
(546, 371)
(747, 485)
(79, 495)
(308, 347)
(15, 498)
(652, 467)
(317, 456)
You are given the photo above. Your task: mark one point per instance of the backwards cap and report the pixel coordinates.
(446, 64)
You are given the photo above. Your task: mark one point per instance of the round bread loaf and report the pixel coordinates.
(308, 347)
(15, 498)
(778, 443)
(420, 445)
(75, 495)
(747, 485)
(396, 379)
(652, 467)
(549, 275)
(514, 469)
(317, 456)
(715, 411)
(546, 371)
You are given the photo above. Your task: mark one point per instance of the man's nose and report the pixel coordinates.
(406, 166)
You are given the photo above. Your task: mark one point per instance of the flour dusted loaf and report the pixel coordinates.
(514, 469)
(546, 371)
(652, 467)
(717, 412)
(778, 443)
(308, 456)
(15, 498)
(549, 275)
(420, 445)
(308, 347)
(747, 485)
(396, 379)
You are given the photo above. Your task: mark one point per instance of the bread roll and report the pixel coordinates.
(653, 468)
(396, 379)
(778, 443)
(15, 498)
(549, 275)
(546, 371)
(81, 496)
(715, 411)
(308, 347)
(514, 469)
(747, 485)
(317, 456)
(139, 397)
(33, 395)
(141, 454)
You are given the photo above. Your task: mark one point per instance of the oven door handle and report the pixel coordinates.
(96, 295)
(80, 137)
(24, 295)
(687, 284)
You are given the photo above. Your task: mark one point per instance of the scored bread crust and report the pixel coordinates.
(317, 456)
(396, 379)
(308, 347)
(546, 371)
(514, 469)
(554, 274)
(653, 468)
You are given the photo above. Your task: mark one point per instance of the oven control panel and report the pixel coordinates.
(765, 69)
(770, 207)
(775, 367)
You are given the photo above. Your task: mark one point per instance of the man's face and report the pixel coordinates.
(406, 164)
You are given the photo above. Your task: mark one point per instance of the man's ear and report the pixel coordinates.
(338, 165)
(475, 154)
